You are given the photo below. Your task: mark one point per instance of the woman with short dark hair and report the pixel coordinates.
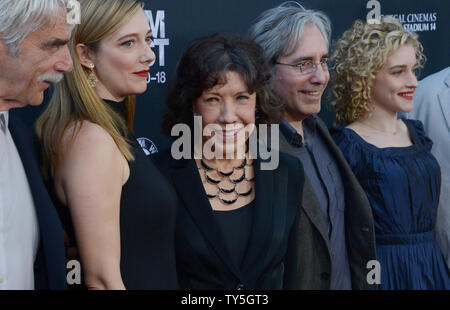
(237, 223)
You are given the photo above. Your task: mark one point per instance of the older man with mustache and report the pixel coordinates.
(33, 54)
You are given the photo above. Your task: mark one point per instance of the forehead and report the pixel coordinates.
(404, 55)
(138, 23)
(229, 80)
(312, 43)
(56, 28)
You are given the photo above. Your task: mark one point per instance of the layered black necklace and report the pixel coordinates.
(227, 176)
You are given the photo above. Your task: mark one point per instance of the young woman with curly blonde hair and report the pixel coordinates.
(373, 79)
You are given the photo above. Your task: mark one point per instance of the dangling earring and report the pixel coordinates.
(92, 78)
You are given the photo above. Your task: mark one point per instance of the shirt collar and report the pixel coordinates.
(309, 128)
(291, 134)
(294, 138)
(4, 118)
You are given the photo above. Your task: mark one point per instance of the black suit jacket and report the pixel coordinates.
(49, 267)
(315, 256)
(270, 261)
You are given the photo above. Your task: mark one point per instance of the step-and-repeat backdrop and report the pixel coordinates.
(176, 22)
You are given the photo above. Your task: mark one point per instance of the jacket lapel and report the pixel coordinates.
(49, 226)
(188, 184)
(259, 241)
(285, 146)
(310, 204)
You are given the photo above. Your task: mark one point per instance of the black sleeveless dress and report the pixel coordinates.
(147, 223)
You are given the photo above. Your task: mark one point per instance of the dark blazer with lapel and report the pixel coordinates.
(314, 249)
(270, 261)
(49, 267)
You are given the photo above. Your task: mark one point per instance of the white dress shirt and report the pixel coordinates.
(19, 231)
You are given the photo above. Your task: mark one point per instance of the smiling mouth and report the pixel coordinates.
(314, 93)
(229, 135)
(407, 95)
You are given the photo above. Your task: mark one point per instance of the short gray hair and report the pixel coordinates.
(20, 18)
(278, 30)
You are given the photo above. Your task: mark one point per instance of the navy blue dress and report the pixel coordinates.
(403, 186)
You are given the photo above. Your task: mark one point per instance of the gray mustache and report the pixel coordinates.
(51, 77)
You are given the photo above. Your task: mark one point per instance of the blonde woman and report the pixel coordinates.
(374, 79)
(121, 210)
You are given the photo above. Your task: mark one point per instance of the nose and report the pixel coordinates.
(228, 113)
(148, 55)
(412, 80)
(64, 62)
(320, 75)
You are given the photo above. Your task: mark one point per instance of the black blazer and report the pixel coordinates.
(49, 266)
(270, 261)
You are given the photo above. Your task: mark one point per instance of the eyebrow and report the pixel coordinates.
(55, 43)
(135, 34)
(309, 58)
(243, 92)
(399, 66)
(238, 93)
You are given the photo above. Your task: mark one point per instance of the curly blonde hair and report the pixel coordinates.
(359, 54)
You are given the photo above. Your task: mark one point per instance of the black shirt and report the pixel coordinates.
(235, 226)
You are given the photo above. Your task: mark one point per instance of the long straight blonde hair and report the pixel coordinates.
(73, 100)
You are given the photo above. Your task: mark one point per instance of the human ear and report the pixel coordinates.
(84, 55)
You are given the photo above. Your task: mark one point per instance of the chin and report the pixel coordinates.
(140, 90)
(310, 110)
(137, 89)
(316, 110)
(407, 109)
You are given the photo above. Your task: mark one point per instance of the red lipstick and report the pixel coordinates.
(143, 73)
(408, 95)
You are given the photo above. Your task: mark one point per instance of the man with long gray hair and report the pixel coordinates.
(33, 54)
(336, 238)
